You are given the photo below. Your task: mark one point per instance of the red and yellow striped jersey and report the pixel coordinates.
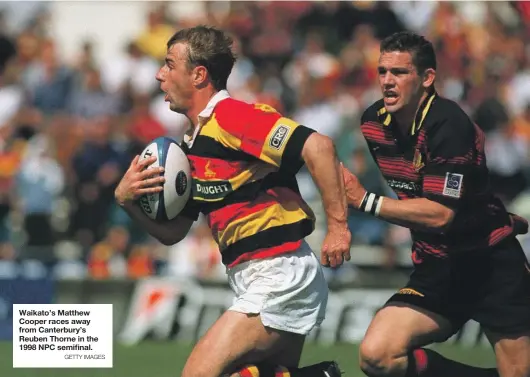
(244, 158)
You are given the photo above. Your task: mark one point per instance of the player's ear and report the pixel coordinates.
(200, 75)
(428, 77)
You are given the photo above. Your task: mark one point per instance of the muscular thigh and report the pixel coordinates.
(400, 327)
(512, 353)
(237, 339)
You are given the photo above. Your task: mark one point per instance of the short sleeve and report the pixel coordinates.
(262, 132)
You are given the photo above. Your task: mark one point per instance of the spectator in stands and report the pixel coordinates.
(140, 262)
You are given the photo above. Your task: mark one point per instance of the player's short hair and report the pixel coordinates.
(422, 51)
(209, 47)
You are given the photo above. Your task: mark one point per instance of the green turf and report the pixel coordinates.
(166, 360)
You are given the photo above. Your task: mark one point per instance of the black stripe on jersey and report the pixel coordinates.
(444, 168)
(292, 156)
(267, 238)
(251, 191)
(205, 146)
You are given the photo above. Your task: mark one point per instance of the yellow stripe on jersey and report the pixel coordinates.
(423, 115)
(213, 130)
(272, 216)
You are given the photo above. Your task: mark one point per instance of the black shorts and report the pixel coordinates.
(490, 286)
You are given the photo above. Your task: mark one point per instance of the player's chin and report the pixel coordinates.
(176, 108)
(393, 106)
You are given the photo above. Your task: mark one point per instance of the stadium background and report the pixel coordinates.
(78, 99)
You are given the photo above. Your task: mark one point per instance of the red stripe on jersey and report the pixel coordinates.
(256, 135)
(267, 253)
(213, 168)
(424, 247)
(246, 122)
(221, 218)
(405, 195)
(375, 132)
(433, 184)
(499, 234)
(397, 167)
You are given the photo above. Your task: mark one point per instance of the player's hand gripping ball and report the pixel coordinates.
(168, 203)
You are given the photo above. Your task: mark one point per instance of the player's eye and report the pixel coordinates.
(381, 71)
(399, 71)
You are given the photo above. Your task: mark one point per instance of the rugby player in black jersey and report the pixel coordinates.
(467, 262)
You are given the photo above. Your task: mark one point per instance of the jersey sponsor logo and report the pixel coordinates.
(208, 173)
(403, 186)
(410, 291)
(211, 190)
(279, 136)
(453, 185)
(417, 162)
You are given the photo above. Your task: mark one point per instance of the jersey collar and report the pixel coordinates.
(421, 113)
(205, 114)
(208, 110)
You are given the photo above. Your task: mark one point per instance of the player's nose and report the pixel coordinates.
(160, 75)
(388, 80)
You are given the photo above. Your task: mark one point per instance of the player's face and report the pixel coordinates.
(175, 79)
(400, 83)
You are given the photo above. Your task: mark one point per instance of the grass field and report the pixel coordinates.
(167, 359)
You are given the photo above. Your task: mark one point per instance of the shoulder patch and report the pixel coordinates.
(279, 135)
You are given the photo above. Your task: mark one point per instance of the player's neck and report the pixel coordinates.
(199, 102)
(405, 118)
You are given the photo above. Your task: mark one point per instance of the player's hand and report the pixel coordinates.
(354, 190)
(336, 246)
(138, 181)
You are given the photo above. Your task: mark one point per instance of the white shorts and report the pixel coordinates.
(288, 291)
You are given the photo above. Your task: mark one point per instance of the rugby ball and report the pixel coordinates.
(168, 203)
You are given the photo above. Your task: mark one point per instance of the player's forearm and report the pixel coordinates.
(321, 160)
(418, 214)
(168, 233)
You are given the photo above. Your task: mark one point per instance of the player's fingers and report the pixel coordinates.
(148, 173)
(332, 260)
(134, 162)
(142, 164)
(149, 190)
(324, 259)
(339, 259)
(152, 182)
(347, 255)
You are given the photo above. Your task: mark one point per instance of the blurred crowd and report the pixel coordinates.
(68, 130)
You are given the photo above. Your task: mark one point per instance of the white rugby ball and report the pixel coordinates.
(168, 203)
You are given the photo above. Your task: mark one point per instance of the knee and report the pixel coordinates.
(380, 358)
